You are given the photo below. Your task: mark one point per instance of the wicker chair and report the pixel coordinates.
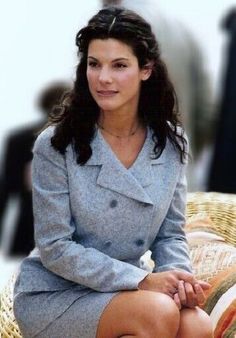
(221, 208)
(8, 324)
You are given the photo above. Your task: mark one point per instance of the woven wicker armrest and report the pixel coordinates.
(211, 233)
(8, 324)
(221, 208)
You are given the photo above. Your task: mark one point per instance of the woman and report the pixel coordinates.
(108, 184)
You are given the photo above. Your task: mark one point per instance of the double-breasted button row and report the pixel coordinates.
(108, 244)
(113, 203)
(139, 242)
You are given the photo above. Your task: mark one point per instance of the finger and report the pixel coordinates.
(177, 301)
(204, 285)
(199, 294)
(174, 289)
(181, 292)
(191, 296)
(186, 276)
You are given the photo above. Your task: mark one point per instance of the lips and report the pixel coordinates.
(107, 92)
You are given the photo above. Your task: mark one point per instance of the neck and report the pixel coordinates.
(119, 126)
(132, 133)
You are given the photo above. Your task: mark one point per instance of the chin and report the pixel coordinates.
(107, 107)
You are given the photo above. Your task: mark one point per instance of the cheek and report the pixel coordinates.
(128, 78)
(124, 81)
(90, 78)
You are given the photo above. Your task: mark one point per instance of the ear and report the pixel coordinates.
(147, 71)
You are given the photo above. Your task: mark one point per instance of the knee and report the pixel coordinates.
(195, 323)
(162, 316)
(205, 324)
(166, 308)
(141, 313)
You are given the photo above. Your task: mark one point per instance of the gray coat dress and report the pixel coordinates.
(92, 225)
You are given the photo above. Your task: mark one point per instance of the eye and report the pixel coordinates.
(120, 65)
(93, 64)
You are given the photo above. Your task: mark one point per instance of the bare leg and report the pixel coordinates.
(139, 314)
(194, 323)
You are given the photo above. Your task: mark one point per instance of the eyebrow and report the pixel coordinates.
(115, 60)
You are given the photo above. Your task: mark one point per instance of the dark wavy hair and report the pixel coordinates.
(158, 109)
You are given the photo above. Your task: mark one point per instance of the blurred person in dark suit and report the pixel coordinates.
(187, 70)
(222, 176)
(15, 179)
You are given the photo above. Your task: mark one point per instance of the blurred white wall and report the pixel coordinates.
(37, 46)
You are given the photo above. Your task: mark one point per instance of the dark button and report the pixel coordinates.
(107, 244)
(139, 242)
(113, 203)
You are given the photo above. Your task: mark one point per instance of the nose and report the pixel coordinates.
(105, 75)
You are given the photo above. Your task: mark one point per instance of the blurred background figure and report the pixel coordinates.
(222, 176)
(187, 71)
(15, 179)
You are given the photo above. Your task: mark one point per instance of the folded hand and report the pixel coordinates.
(180, 285)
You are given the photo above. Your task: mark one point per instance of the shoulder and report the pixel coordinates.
(43, 141)
(43, 146)
(44, 150)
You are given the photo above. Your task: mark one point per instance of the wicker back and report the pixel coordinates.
(221, 208)
(8, 325)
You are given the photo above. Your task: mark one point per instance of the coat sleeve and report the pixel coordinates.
(54, 229)
(170, 249)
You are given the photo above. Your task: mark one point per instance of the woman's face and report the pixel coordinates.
(114, 76)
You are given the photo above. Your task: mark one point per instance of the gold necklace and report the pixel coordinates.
(119, 136)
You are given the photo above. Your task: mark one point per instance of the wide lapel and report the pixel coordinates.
(113, 175)
(142, 169)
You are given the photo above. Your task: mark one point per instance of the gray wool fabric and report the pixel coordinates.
(92, 225)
